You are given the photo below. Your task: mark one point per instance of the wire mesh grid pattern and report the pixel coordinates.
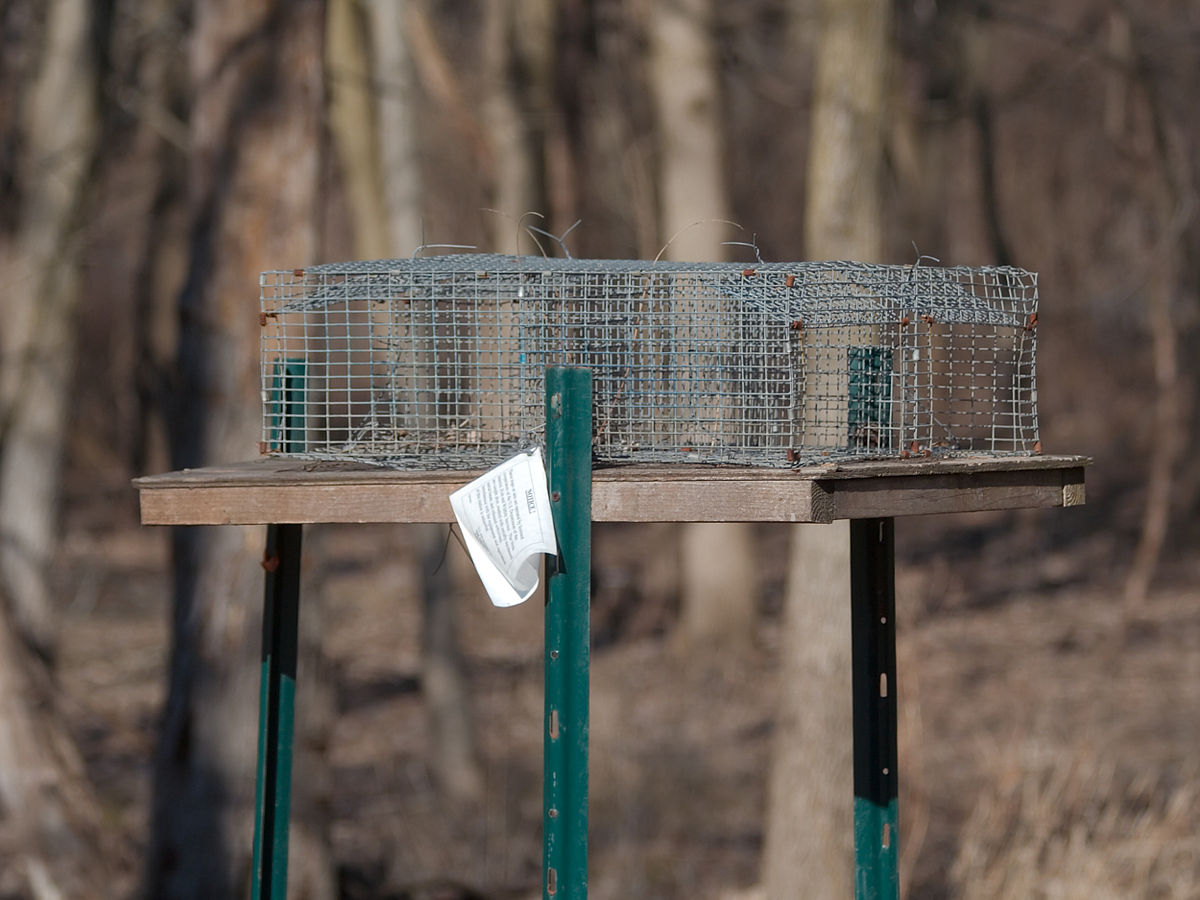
(439, 362)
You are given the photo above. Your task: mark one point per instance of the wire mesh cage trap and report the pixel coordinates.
(439, 361)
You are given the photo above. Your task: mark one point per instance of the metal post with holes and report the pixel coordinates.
(873, 636)
(565, 766)
(280, 644)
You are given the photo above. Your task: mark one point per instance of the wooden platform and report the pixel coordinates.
(277, 490)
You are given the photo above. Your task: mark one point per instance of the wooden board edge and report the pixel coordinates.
(273, 471)
(292, 504)
(731, 501)
(773, 499)
(1074, 493)
(914, 495)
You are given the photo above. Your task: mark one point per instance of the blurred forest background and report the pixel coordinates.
(156, 155)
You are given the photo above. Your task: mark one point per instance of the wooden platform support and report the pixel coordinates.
(300, 490)
(873, 677)
(276, 711)
(286, 493)
(280, 650)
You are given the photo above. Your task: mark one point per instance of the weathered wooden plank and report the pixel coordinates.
(289, 490)
(718, 500)
(613, 501)
(1074, 493)
(280, 471)
(936, 466)
(902, 495)
(307, 504)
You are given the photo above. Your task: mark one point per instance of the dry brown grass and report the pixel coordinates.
(1076, 826)
(1044, 754)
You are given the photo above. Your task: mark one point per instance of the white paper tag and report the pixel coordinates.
(506, 522)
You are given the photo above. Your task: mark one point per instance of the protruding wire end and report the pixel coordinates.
(558, 239)
(752, 244)
(689, 226)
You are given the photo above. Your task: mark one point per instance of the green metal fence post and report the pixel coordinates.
(565, 769)
(280, 644)
(873, 635)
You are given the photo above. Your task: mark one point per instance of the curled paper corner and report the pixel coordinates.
(506, 522)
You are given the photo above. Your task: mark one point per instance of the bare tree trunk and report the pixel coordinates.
(809, 826)
(161, 137)
(397, 130)
(843, 218)
(809, 834)
(693, 186)
(518, 48)
(1168, 426)
(1173, 198)
(256, 75)
(41, 281)
(454, 756)
(718, 576)
(379, 161)
(371, 118)
(438, 77)
(977, 62)
(352, 122)
(50, 827)
(52, 834)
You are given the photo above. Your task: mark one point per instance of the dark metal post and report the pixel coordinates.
(873, 627)
(280, 644)
(565, 769)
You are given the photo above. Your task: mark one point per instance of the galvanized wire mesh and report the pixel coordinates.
(440, 361)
